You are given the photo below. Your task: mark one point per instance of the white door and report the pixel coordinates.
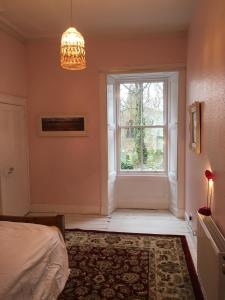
(14, 193)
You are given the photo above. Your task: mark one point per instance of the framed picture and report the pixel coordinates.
(63, 125)
(195, 127)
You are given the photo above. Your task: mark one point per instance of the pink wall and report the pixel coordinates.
(66, 170)
(206, 83)
(13, 77)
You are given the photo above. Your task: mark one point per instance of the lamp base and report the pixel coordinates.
(206, 211)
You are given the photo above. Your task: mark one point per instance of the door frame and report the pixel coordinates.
(19, 101)
(14, 100)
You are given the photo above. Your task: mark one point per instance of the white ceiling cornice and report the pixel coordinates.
(34, 19)
(11, 30)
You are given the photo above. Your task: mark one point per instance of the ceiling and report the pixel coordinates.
(48, 18)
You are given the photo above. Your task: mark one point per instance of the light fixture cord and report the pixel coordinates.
(71, 12)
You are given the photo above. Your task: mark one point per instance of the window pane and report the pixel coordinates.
(153, 103)
(130, 104)
(153, 149)
(130, 156)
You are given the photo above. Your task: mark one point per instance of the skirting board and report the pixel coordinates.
(177, 212)
(108, 210)
(64, 209)
(123, 204)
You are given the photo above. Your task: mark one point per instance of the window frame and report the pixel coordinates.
(164, 126)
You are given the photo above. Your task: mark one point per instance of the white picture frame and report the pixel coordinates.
(63, 125)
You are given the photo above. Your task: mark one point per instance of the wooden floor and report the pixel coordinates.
(138, 221)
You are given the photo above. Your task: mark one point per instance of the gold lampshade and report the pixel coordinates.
(72, 50)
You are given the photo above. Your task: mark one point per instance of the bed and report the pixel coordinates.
(33, 258)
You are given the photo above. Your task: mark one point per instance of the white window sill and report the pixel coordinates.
(142, 174)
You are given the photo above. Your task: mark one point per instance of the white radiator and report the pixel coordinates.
(211, 259)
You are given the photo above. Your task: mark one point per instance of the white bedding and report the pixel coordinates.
(33, 262)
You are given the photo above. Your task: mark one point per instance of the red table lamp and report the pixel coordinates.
(206, 210)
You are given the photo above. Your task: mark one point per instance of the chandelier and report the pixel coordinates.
(72, 50)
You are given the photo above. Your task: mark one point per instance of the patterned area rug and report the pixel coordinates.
(116, 266)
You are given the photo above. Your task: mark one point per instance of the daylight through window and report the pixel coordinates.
(142, 125)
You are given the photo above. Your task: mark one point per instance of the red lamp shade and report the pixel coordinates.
(209, 175)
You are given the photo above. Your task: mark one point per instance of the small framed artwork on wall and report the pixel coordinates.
(195, 127)
(63, 125)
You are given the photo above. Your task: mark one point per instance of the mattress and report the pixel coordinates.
(33, 262)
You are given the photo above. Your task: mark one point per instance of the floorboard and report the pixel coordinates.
(135, 220)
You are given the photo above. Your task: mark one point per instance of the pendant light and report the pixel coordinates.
(72, 50)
